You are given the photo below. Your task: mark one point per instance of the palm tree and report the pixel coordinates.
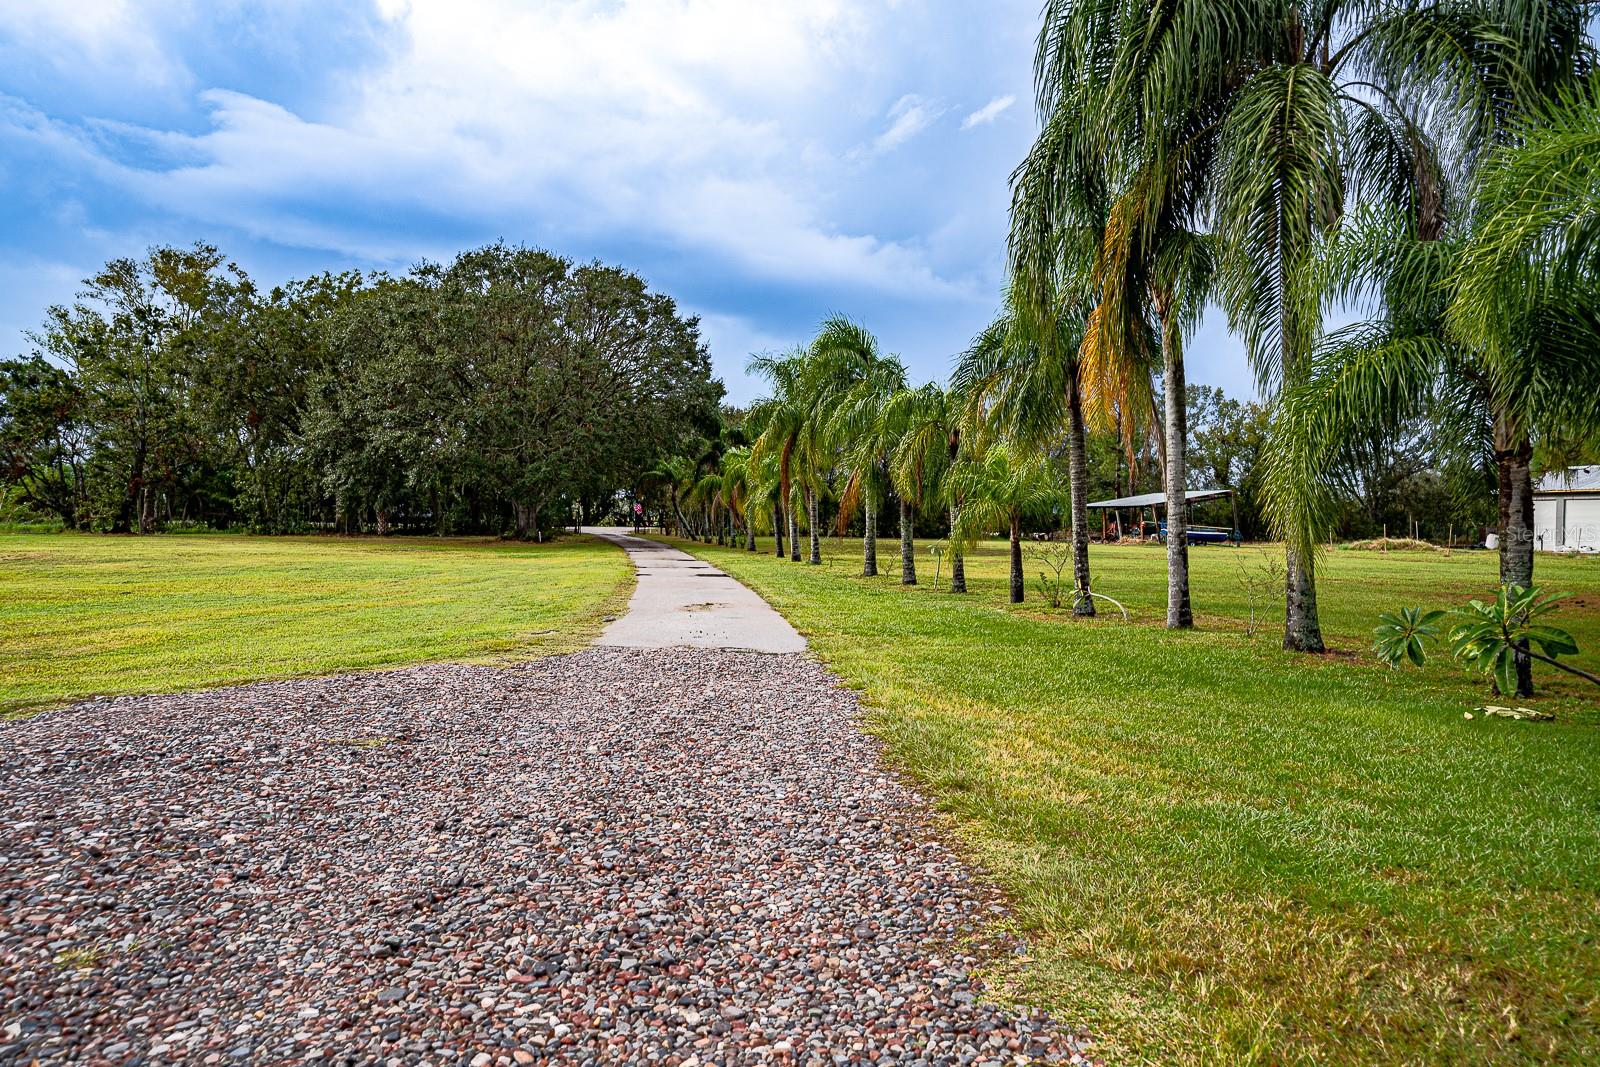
(1285, 110)
(1133, 185)
(1525, 287)
(736, 486)
(1155, 264)
(861, 382)
(761, 498)
(904, 411)
(931, 421)
(1028, 388)
(708, 496)
(676, 475)
(783, 419)
(1469, 329)
(999, 488)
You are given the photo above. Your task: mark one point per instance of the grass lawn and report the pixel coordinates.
(83, 615)
(1223, 853)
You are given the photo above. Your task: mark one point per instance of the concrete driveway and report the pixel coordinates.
(684, 602)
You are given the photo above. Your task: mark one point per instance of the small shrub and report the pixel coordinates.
(1053, 557)
(1262, 584)
(1403, 635)
(1488, 637)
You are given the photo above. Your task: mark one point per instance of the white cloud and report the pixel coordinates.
(74, 36)
(733, 339)
(909, 116)
(988, 112)
(713, 126)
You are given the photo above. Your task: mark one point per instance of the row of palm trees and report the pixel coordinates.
(1284, 158)
(1426, 166)
(842, 425)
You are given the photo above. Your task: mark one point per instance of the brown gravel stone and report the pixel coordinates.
(667, 857)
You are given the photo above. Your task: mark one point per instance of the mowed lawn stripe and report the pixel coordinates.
(86, 615)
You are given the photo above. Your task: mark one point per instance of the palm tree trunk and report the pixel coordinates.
(749, 529)
(958, 562)
(869, 537)
(1078, 482)
(1016, 559)
(794, 532)
(811, 528)
(1180, 615)
(908, 548)
(1302, 631)
(777, 527)
(1513, 453)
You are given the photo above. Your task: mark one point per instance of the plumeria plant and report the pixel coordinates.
(1487, 636)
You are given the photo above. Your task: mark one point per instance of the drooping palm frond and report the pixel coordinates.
(1531, 267)
(1003, 484)
(1364, 375)
(923, 422)
(1279, 184)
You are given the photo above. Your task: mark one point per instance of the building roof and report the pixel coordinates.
(1571, 480)
(1156, 499)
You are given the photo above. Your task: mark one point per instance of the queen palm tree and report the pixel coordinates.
(1289, 110)
(1155, 265)
(932, 421)
(675, 474)
(736, 485)
(782, 417)
(863, 380)
(999, 489)
(1029, 390)
(1136, 182)
(903, 412)
(1483, 323)
(707, 495)
(761, 498)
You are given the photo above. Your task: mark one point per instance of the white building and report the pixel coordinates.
(1566, 510)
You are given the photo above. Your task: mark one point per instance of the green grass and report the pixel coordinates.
(1219, 852)
(83, 615)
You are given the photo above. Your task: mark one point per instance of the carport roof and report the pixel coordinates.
(1154, 499)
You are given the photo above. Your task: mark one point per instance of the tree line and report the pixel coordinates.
(496, 393)
(1425, 167)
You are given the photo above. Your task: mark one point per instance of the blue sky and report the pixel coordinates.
(765, 163)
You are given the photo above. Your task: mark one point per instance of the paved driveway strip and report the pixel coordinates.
(684, 602)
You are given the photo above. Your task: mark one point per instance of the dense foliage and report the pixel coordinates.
(494, 394)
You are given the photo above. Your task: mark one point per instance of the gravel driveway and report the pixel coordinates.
(676, 857)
